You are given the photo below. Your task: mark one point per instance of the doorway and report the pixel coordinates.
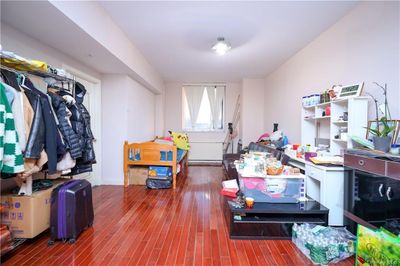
(92, 102)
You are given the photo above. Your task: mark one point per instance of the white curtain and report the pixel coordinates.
(216, 96)
(194, 95)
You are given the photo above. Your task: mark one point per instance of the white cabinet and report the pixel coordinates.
(326, 185)
(316, 125)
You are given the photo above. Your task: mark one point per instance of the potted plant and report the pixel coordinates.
(382, 139)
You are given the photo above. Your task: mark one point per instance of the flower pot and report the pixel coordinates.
(382, 143)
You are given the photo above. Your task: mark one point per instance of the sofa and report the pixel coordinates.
(229, 158)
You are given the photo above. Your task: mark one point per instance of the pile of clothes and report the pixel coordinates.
(43, 127)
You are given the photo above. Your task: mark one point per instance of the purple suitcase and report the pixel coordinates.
(71, 210)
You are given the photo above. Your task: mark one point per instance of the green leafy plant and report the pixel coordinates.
(383, 128)
(384, 131)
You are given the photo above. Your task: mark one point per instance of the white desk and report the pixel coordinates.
(325, 185)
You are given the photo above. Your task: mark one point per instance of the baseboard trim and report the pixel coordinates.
(205, 163)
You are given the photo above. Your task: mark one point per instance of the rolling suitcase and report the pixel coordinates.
(71, 210)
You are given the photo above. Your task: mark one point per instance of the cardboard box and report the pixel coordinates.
(27, 216)
(138, 175)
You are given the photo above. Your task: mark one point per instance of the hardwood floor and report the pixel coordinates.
(160, 227)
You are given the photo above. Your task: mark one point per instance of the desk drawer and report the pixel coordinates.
(393, 170)
(315, 172)
(365, 164)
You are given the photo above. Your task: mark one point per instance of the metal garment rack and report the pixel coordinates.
(26, 188)
(44, 74)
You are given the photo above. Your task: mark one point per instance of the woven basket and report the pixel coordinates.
(274, 171)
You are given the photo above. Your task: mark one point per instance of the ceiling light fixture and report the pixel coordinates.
(221, 47)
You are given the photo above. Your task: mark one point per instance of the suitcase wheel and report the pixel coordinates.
(50, 242)
(72, 241)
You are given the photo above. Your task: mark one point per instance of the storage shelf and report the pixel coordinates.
(340, 122)
(323, 104)
(299, 219)
(323, 117)
(317, 105)
(340, 140)
(317, 118)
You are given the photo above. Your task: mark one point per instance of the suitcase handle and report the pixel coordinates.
(380, 190)
(388, 193)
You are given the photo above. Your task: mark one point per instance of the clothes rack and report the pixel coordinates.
(26, 187)
(43, 74)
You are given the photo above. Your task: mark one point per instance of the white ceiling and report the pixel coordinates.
(176, 37)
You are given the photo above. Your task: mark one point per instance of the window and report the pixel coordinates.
(203, 107)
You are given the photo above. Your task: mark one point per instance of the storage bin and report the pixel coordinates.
(160, 171)
(138, 175)
(272, 189)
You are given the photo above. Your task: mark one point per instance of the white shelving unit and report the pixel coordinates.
(314, 125)
(319, 179)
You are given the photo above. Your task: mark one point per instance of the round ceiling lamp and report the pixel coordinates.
(221, 47)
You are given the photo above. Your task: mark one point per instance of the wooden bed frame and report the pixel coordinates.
(150, 155)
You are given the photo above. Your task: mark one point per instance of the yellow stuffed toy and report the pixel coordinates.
(181, 140)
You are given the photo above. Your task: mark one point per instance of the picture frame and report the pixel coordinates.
(349, 91)
(394, 134)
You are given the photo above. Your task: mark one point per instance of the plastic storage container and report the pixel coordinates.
(273, 189)
(160, 171)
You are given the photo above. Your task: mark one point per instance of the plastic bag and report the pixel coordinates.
(377, 247)
(323, 245)
(153, 183)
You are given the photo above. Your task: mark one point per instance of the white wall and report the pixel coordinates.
(159, 114)
(127, 114)
(95, 21)
(173, 111)
(23, 45)
(252, 110)
(362, 46)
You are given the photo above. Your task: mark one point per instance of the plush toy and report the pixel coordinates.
(181, 140)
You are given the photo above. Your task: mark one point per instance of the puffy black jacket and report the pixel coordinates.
(88, 155)
(71, 139)
(80, 121)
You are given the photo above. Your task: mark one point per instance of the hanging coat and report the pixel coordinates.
(70, 137)
(51, 132)
(11, 160)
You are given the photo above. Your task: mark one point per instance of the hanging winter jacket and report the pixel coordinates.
(80, 121)
(88, 151)
(71, 139)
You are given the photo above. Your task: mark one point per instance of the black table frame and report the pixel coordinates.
(272, 220)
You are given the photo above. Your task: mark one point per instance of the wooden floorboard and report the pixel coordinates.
(136, 226)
